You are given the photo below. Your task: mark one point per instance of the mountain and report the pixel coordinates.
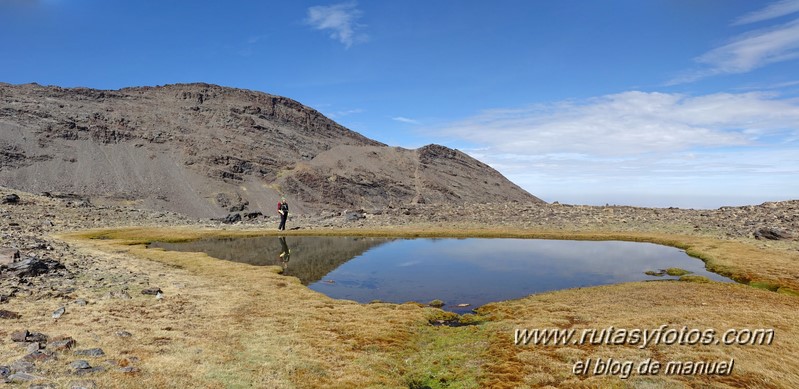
(206, 150)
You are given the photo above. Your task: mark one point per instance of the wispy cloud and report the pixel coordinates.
(403, 119)
(343, 113)
(631, 123)
(747, 52)
(339, 20)
(751, 50)
(774, 10)
(655, 143)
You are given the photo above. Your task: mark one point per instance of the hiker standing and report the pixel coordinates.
(283, 210)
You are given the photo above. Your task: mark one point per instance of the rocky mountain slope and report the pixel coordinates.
(205, 150)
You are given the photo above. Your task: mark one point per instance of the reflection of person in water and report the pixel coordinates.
(285, 252)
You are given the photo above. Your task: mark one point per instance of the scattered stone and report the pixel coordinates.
(5, 371)
(151, 291)
(81, 302)
(22, 366)
(36, 337)
(80, 364)
(353, 216)
(19, 336)
(253, 215)
(96, 369)
(42, 386)
(58, 312)
(124, 334)
(40, 356)
(771, 233)
(35, 346)
(22, 377)
(66, 343)
(11, 199)
(122, 295)
(129, 369)
(8, 256)
(83, 384)
(232, 218)
(9, 314)
(92, 352)
(159, 295)
(32, 267)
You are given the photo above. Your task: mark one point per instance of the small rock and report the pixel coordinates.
(40, 356)
(80, 364)
(159, 295)
(42, 386)
(19, 336)
(11, 199)
(97, 369)
(83, 384)
(8, 255)
(232, 218)
(81, 302)
(35, 346)
(9, 315)
(20, 366)
(66, 343)
(58, 312)
(129, 369)
(36, 337)
(124, 334)
(151, 291)
(5, 371)
(92, 352)
(122, 295)
(353, 216)
(22, 377)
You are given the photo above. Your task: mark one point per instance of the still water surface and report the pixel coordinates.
(472, 271)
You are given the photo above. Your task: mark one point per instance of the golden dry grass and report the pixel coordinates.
(225, 324)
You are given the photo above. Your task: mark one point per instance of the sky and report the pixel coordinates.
(684, 103)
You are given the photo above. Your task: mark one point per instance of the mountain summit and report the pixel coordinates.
(205, 150)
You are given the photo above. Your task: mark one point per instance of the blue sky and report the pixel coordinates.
(688, 103)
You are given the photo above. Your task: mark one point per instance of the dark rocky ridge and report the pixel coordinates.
(205, 150)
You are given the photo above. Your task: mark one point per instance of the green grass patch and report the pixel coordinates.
(676, 272)
(445, 357)
(764, 285)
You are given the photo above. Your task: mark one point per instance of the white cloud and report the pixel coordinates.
(631, 123)
(402, 119)
(339, 20)
(774, 10)
(640, 148)
(753, 50)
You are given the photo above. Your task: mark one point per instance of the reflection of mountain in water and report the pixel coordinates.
(311, 257)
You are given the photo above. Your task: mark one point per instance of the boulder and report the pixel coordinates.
(771, 233)
(151, 291)
(11, 199)
(32, 267)
(232, 218)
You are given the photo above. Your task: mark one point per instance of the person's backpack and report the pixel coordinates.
(284, 207)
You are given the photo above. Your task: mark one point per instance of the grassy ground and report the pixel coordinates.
(224, 324)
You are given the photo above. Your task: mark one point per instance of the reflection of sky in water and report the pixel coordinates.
(478, 271)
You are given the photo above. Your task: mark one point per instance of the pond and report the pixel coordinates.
(464, 273)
